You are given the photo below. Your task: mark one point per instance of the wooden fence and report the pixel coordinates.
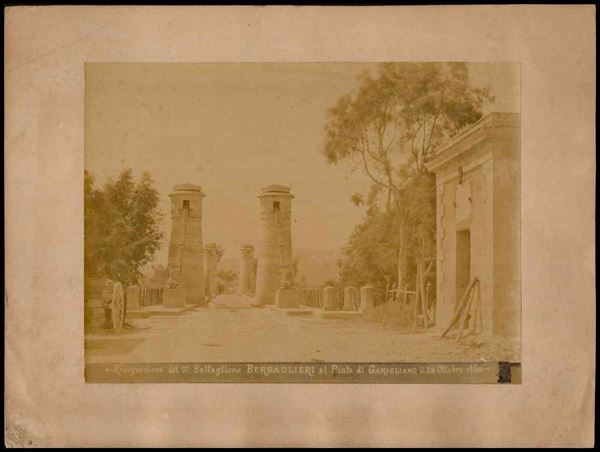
(311, 297)
(151, 296)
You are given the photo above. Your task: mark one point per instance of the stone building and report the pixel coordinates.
(185, 247)
(275, 249)
(478, 221)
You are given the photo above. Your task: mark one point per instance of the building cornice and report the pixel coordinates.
(489, 126)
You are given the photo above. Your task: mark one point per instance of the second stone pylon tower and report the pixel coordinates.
(185, 247)
(275, 246)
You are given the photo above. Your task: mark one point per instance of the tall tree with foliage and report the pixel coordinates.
(389, 128)
(121, 226)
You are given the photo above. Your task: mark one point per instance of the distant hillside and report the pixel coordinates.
(315, 267)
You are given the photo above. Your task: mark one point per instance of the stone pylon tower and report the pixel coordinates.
(211, 259)
(185, 247)
(275, 249)
(247, 275)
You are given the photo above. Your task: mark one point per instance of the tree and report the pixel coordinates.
(96, 225)
(371, 254)
(369, 257)
(389, 128)
(227, 276)
(220, 251)
(160, 276)
(121, 226)
(227, 279)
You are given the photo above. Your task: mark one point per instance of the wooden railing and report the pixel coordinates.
(351, 299)
(394, 295)
(151, 296)
(311, 297)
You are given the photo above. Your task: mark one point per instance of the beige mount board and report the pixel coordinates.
(226, 108)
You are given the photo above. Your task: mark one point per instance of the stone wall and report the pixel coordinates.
(477, 183)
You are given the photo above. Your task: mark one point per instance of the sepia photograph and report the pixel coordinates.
(300, 226)
(302, 222)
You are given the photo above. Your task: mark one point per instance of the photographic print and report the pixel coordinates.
(302, 222)
(300, 226)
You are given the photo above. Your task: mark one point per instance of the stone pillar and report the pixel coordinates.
(247, 275)
(211, 259)
(287, 297)
(275, 250)
(329, 299)
(133, 297)
(367, 295)
(185, 247)
(350, 299)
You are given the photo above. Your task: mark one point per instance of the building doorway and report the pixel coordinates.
(463, 263)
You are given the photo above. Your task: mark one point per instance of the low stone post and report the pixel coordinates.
(329, 299)
(367, 295)
(350, 299)
(133, 297)
(287, 297)
(174, 297)
(211, 259)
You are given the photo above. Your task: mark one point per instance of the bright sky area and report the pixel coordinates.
(234, 128)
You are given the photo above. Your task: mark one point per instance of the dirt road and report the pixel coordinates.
(262, 334)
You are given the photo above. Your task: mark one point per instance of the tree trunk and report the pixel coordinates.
(402, 257)
(388, 203)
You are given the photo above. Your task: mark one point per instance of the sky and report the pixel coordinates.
(234, 128)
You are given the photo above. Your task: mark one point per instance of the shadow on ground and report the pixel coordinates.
(110, 347)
